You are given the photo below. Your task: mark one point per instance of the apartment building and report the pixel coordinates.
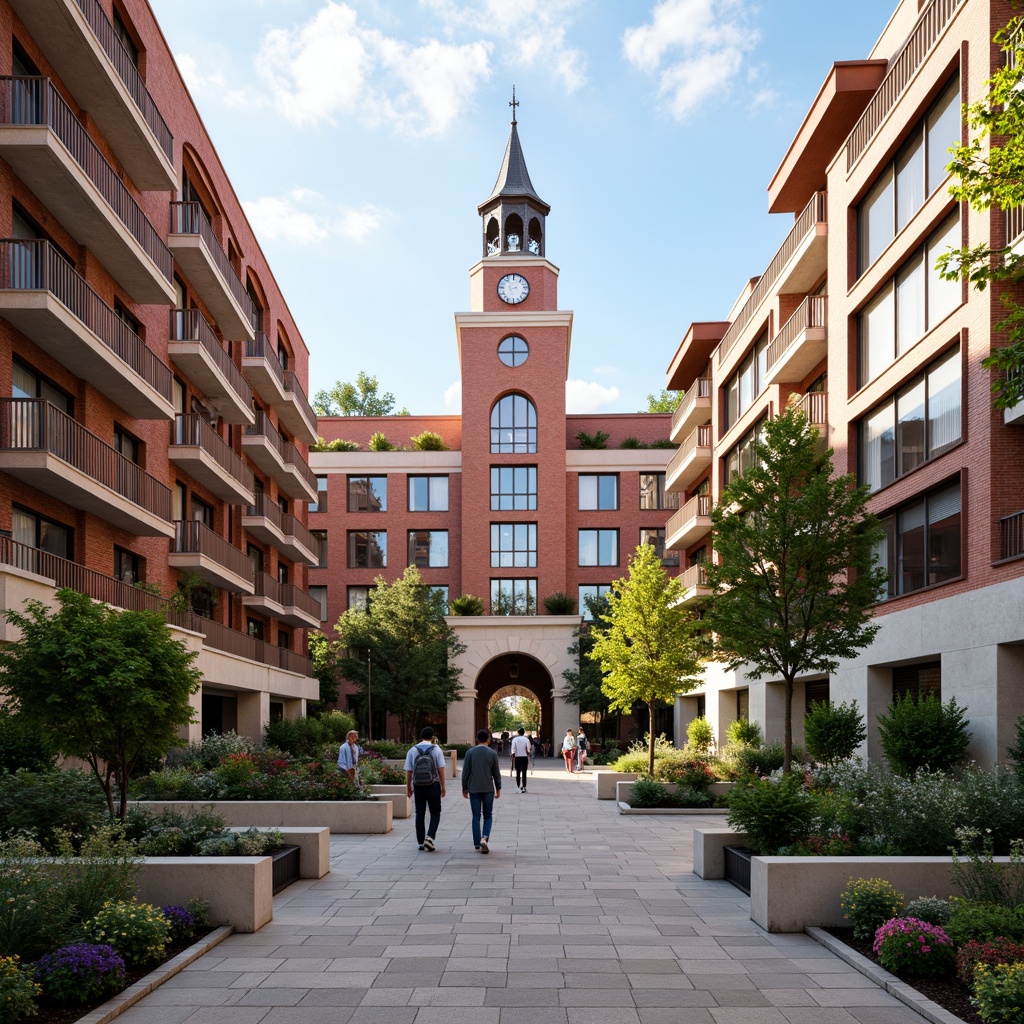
(153, 418)
(515, 510)
(851, 320)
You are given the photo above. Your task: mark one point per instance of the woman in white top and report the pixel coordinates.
(569, 750)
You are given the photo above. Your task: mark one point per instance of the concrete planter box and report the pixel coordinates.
(314, 845)
(353, 817)
(401, 805)
(720, 788)
(709, 850)
(607, 781)
(624, 796)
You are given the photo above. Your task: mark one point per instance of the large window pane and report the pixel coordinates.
(513, 597)
(875, 221)
(943, 296)
(877, 342)
(944, 392)
(599, 547)
(943, 131)
(428, 548)
(944, 535)
(911, 547)
(910, 326)
(910, 180)
(910, 427)
(367, 549)
(598, 491)
(514, 425)
(514, 488)
(877, 446)
(513, 545)
(428, 494)
(367, 493)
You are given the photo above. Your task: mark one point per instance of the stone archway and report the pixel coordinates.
(514, 674)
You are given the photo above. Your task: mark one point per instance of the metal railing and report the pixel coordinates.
(286, 594)
(33, 424)
(294, 388)
(295, 462)
(192, 430)
(189, 218)
(260, 348)
(815, 212)
(698, 505)
(700, 388)
(285, 449)
(35, 265)
(814, 406)
(901, 69)
(812, 312)
(699, 437)
(232, 641)
(285, 522)
(694, 576)
(191, 325)
(35, 101)
(192, 537)
(128, 73)
(1011, 535)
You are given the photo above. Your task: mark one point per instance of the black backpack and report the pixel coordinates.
(424, 769)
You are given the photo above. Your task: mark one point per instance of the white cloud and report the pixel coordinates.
(606, 371)
(588, 396)
(453, 397)
(303, 217)
(199, 82)
(695, 47)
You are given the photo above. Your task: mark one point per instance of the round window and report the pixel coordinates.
(512, 351)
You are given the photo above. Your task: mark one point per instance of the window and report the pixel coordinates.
(127, 445)
(513, 545)
(513, 425)
(125, 39)
(513, 350)
(359, 597)
(599, 547)
(443, 591)
(256, 557)
(917, 680)
(202, 512)
(122, 314)
(367, 494)
(254, 628)
(320, 540)
(320, 505)
(127, 566)
(513, 597)
(428, 494)
(656, 537)
(367, 549)
(599, 491)
(913, 426)
(428, 548)
(319, 594)
(282, 573)
(592, 592)
(908, 306)
(513, 488)
(284, 638)
(902, 187)
(741, 457)
(922, 543)
(26, 383)
(653, 494)
(747, 382)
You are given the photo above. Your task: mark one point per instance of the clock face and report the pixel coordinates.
(513, 288)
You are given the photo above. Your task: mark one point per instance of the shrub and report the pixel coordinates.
(171, 833)
(868, 903)
(80, 973)
(744, 732)
(428, 441)
(758, 761)
(374, 772)
(338, 445)
(379, 443)
(599, 439)
(210, 750)
(693, 773)
(559, 603)
(181, 924)
(663, 442)
(999, 993)
(1016, 752)
(915, 948)
(305, 737)
(923, 733)
(468, 604)
(48, 803)
(391, 749)
(833, 732)
(632, 442)
(688, 797)
(773, 813)
(995, 951)
(699, 735)
(18, 990)
(139, 932)
(21, 746)
(931, 909)
(35, 910)
(648, 793)
(982, 880)
(983, 922)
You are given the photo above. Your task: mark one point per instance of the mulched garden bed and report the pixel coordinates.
(947, 992)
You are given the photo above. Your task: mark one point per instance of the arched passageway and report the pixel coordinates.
(515, 675)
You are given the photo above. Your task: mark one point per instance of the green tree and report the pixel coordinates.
(109, 687)
(664, 401)
(795, 572)
(326, 668)
(651, 648)
(585, 678)
(501, 717)
(412, 649)
(358, 398)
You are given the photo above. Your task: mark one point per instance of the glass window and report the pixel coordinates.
(513, 488)
(513, 425)
(909, 180)
(443, 591)
(428, 548)
(942, 131)
(127, 566)
(255, 556)
(747, 382)
(319, 594)
(653, 493)
(943, 296)
(359, 597)
(36, 531)
(877, 335)
(320, 505)
(741, 457)
(512, 351)
(599, 547)
(254, 627)
(513, 597)
(127, 445)
(367, 549)
(588, 594)
(944, 401)
(656, 537)
(875, 220)
(284, 638)
(367, 494)
(513, 545)
(27, 383)
(878, 448)
(202, 512)
(910, 428)
(598, 491)
(428, 494)
(320, 539)
(910, 308)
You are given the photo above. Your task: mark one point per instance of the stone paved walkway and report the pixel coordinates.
(579, 915)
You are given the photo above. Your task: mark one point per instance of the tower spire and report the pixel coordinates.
(513, 105)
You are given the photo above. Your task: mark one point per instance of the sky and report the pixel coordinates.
(360, 136)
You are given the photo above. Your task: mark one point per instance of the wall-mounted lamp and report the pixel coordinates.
(513, 670)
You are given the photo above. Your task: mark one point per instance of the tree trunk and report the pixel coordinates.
(650, 736)
(787, 764)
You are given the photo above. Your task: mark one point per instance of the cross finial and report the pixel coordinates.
(514, 104)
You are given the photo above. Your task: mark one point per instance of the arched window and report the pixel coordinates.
(535, 243)
(514, 425)
(493, 244)
(513, 233)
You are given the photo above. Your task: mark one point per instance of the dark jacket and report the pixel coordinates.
(480, 771)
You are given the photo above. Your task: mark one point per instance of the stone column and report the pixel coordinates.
(462, 717)
(253, 714)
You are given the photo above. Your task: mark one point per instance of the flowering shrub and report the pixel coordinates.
(908, 946)
(931, 909)
(139, 932)
(983, 921)
(181, 924)
(693, 773)
(999, 993)
(80, 973)
(868, 903)
(996, 951)
(18, 991)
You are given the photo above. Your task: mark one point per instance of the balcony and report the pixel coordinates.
(695, 585)
(694, 408)
(46, 449)
(263, 370)
(691, 458)
(200, 255)
(202, 453)
(194, 348)
(47, 147)
(196, 548)
(284, 601)
(295, 412)
(81, 44)
(814, 405)
(43, 297)
(279, 459)
(264, 521)
(801, 344)
(689, 524)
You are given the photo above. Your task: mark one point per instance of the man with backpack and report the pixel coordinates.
(424, 780)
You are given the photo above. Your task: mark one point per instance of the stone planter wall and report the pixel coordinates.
(401, 805)
(624, 795)
(359, 817)
(607, 781)
(314, 845)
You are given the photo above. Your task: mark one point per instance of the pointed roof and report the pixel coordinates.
(513, 178)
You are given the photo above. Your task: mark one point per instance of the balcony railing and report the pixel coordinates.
(33, 424)
(815, 212)
(191, 537)
(812, 312)
(128, 73)
(191, 325)
(189, 218)
(901, 69)
(285, 522)
(695, 576)
(699, 437)
(286, 594)
(260, 348)
(1011, 536)
(294, 388)
(34, 101)
(231, 641)
(195, 431)
(297, 463)
(814, 406)
(286, 451)
(35, 265)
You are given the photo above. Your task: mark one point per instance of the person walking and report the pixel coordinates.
(521, 758)
(424, 782)
(481, 786)
(569, 750)
(582, 746)
(348, 756)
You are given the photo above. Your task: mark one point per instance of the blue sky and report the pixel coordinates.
(360, 136)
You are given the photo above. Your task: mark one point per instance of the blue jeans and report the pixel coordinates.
(481, 802)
